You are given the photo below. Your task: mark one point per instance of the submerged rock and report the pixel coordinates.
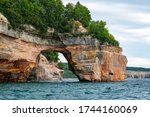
(44, 70)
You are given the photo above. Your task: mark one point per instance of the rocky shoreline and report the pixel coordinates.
(137, 74)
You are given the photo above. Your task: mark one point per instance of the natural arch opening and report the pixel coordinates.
(67, 72)
(51, 65)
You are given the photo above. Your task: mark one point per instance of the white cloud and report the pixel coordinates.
(140, 17)
(62, 58)
(139, 62)
(120, 11)
(117, 13)
(131, 35)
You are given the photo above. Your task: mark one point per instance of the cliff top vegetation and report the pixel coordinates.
(43, 14)
(52, 13)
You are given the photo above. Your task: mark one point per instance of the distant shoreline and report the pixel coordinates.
(132, 72)
(140, 69)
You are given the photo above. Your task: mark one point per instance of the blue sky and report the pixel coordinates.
(129, 22)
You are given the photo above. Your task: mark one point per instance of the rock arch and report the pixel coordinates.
(87, 58)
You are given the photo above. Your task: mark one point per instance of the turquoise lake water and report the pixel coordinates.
(72, 89)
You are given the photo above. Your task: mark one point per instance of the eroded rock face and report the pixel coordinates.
(17, 58)
(44, 70)
(78, 28)
(89, 60)
(3, 18)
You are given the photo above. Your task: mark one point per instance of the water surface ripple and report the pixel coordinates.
(72, 89)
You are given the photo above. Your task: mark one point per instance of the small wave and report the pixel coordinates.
(49, 95)
(88, 92)
(107, 90)
(20, 90)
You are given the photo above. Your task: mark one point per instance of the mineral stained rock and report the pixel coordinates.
(87, 58)
(91, 61)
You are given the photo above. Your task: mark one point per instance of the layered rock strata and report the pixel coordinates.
(87, 58)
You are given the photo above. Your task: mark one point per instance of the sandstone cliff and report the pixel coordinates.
(44, 70)
(137, 74)
(88, 59)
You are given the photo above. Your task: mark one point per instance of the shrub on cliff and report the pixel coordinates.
(51, 55)
(20, 12)
(60, 65)
(98, 30)
(78, 12)
(52, 13)
(82, 14)
(43, 14)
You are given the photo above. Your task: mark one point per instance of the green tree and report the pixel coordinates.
(11, 11)
(20, 12)
(69, 11)
(53, 12)
(82, 14)
(32, 12)
(44, 13)
(75, 12)
(98, 30)
(61, 65)
(51, 55)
